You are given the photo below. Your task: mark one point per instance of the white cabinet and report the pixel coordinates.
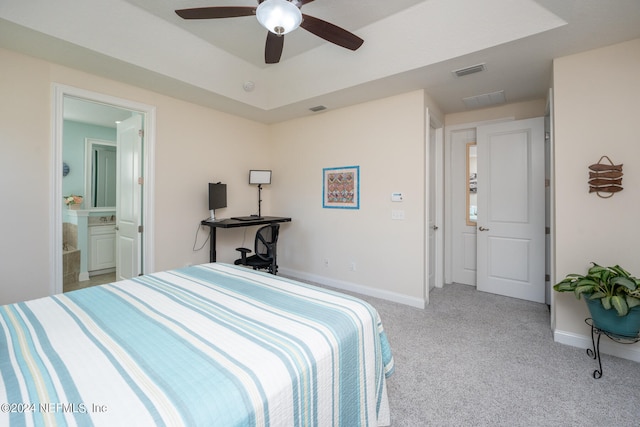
(102, 247)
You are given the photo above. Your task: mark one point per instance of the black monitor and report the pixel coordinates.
(217, 197)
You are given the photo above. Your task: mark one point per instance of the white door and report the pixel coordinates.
(129, 189)
(432, 227)
(434, 195)
(511, 209)
(463, 236)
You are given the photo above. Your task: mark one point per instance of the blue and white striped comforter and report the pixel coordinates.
(211, 345)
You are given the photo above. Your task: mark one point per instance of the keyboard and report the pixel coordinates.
(247, 218)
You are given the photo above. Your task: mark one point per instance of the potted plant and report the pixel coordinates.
(612, 296)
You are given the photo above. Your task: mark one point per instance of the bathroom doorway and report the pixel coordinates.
(85, 146)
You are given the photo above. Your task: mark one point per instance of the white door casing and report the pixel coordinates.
(55, 239)
(550, 208)
(128, 196)
(511, 209)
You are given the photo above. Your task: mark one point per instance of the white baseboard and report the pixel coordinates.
(624, 351)
(353, 287)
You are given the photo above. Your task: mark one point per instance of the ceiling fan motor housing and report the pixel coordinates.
(279, 16)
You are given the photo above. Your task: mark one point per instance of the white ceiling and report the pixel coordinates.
(93, 113)
(245, 37)
(409, 44)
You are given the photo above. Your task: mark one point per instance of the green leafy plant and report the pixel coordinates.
(613, 286)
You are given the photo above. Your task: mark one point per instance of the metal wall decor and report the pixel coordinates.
(605, 178)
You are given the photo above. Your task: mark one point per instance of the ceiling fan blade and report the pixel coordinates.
(216, 12)
(303, 2)
(331, 33)
(273, 48)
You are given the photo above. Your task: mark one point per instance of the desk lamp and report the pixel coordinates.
(259, 177)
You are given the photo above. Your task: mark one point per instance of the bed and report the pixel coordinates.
(208, 345)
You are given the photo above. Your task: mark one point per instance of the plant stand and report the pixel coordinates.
(594, 352)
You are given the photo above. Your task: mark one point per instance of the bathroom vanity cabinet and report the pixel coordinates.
(102, 247)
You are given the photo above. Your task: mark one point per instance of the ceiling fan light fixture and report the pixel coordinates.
(279, 16)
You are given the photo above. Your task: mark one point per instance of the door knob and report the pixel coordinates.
(483, 229)
(117, 228)
(435, 227)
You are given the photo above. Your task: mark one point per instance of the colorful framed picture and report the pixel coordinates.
(341, 187)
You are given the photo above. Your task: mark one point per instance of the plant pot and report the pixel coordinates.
(609, 321)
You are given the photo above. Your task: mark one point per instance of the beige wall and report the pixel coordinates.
(195, 145)
(25, 137)
(596, 113)
(386, 139)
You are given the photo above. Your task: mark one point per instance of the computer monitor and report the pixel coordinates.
(217, 197)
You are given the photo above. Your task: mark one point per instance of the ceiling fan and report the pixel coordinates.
(279, 17)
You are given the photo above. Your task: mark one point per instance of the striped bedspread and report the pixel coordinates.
(210, 345)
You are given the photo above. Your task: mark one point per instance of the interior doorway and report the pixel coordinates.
(434, 198)
(471, 240)
(87, 106)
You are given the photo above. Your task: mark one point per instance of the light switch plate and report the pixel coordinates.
(396, 197)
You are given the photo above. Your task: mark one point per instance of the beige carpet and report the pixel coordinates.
(478, 359)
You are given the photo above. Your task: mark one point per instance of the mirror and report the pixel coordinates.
(86, 123)
(472, 184)
(100, 170)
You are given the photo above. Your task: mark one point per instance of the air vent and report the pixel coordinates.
(318, 108)
(485, 100)
(469, 70)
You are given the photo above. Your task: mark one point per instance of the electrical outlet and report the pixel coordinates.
(325, 262)
(397, 214)
(352, 266)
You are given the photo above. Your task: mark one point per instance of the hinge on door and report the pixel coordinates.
(547, 135)
(547, 230)
(140, 229)
(547, 183)
(547, 278)
(141, 133)
(140, 180)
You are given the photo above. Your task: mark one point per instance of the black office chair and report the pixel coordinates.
(265, 256)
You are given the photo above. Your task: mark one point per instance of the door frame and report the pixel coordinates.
(437, 199)
(148, 167)
(550, 205)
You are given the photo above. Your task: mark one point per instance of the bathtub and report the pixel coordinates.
(70, 264)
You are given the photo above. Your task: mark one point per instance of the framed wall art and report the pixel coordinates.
(341, 187)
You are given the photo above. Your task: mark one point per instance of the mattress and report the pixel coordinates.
(208, 345)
